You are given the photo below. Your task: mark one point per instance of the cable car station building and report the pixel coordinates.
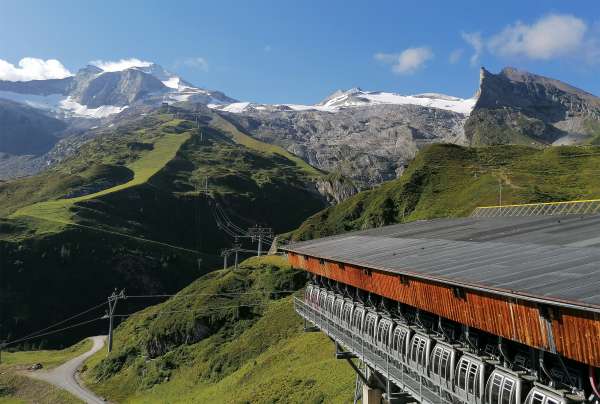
(496, 308)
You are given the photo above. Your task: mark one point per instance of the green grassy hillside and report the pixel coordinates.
(163, 151)
(448, 180)
(229, 337)
(128, 211)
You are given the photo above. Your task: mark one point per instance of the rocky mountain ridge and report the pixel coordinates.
(369, 136)
(516, 106)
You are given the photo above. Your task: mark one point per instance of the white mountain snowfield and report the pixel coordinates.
(75, 109)
(359, 98)
(178, 90)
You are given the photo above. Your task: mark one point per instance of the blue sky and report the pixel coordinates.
(300, 51)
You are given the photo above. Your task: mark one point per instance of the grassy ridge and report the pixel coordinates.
(164, 150)
(213, 349)
(449, 181)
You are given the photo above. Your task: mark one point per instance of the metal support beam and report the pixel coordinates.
(340, 354)
(359, 373)
(546, 315)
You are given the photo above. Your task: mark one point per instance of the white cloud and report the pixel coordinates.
(408, 61)
(119, 65)
(33, 69)
(549, 37)
(455, 55)
(476, 41)
(194, 62)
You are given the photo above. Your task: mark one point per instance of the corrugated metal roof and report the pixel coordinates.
(547, 259)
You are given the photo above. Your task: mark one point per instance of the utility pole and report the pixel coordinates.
(260, 233)
(236, 248)
(112, 305)
(2, 345)
(198, 127)
(500, 193)
(225, 254)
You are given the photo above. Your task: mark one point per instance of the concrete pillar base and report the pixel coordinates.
(371, 395)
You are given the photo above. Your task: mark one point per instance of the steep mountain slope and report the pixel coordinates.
(449, 180)
(515, 106)
(229, 337)
(130, 210)
(25, 130)
(369, 144)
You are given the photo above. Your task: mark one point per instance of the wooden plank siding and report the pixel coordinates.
(576, 334)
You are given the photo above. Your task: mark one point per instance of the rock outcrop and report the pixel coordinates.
(515, 106)
(367, 144)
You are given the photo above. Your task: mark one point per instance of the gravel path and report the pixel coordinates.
(65, 375)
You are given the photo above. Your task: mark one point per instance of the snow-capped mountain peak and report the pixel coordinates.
(106, 88)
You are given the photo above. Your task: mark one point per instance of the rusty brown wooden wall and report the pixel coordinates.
(576, 334)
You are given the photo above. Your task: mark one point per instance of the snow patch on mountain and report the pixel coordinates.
(172, 82)
(356, 97)
(235, 107)
(75, 109)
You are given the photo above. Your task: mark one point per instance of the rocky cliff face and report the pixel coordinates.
(367, 144)
(336, 188)
(515, 106)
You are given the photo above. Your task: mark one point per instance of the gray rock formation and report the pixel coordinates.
(368, 144)
(335, 188)
(515, 106)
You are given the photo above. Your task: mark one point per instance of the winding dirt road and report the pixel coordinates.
(65, 376)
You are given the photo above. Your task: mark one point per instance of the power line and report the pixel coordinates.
(53, 332)
(41, 333)
(37, 333)
(227, 294)
(202, 310)
(99, 229)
